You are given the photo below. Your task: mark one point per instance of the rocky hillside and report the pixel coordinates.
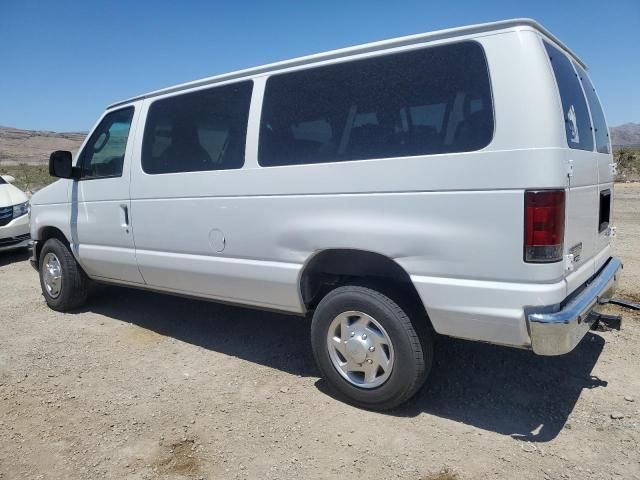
(33, 147)
(626, 135)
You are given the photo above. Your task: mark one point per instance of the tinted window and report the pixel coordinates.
(435, 100)
(574, 106)
(103, 155)
(204, 130)
(2, 181)
(597, 115)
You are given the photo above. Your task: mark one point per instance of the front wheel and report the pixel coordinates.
(64, 284)
(368, 349)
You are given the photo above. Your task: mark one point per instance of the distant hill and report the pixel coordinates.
(627, 135)
(33, 147)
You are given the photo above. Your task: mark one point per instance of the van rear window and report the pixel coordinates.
(597, 115)
(197, 131)
(427, 101)
(574, 106)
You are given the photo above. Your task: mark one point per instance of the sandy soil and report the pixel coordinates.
(34, 147)
(144, 386)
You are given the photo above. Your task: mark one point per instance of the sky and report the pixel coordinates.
(62, 62)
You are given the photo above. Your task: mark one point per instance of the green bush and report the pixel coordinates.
(628, 161)
(28, 177)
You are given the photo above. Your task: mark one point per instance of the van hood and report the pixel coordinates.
(56, 192)
(10, 195)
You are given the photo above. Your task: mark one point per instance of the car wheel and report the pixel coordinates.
(368, 349)
(64, 284)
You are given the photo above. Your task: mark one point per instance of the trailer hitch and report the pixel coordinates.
(604, 322)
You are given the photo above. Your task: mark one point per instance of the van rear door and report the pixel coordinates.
(583, 239)
(606, 165)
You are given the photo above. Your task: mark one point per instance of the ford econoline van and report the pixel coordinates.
(451, 183)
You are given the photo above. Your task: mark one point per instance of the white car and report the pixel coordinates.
(14, 218)
(456, 183)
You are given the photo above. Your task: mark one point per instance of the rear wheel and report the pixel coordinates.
(64, 284)
(368, 349)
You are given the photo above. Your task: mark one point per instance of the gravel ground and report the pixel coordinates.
(140, 385)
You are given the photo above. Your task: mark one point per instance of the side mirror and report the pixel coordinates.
(8, 178)
(61, 166)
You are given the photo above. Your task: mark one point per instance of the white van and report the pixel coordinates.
(456, 183)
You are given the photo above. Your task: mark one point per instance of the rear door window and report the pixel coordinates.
(428, 101)
(574, 106)
(597, 115)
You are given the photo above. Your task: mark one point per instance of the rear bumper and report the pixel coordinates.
(558, 332)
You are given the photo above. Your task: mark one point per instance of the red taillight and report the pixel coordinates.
(543, 225)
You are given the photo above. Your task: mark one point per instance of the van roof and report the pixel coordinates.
(359, 49)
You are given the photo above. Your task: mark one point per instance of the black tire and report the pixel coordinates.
(413, 347)
(75, 283)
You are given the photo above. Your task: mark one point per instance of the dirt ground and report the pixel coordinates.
(143, 386)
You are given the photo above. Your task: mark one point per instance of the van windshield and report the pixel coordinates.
(597, 115)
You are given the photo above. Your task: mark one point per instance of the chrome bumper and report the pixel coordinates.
(557, 333)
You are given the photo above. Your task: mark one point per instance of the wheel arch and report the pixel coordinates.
(46, 233)
(331, 268)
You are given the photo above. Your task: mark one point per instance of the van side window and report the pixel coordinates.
(103, 155)
(574, 106)
(597, 115)
(426, 101)
(197, 131)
